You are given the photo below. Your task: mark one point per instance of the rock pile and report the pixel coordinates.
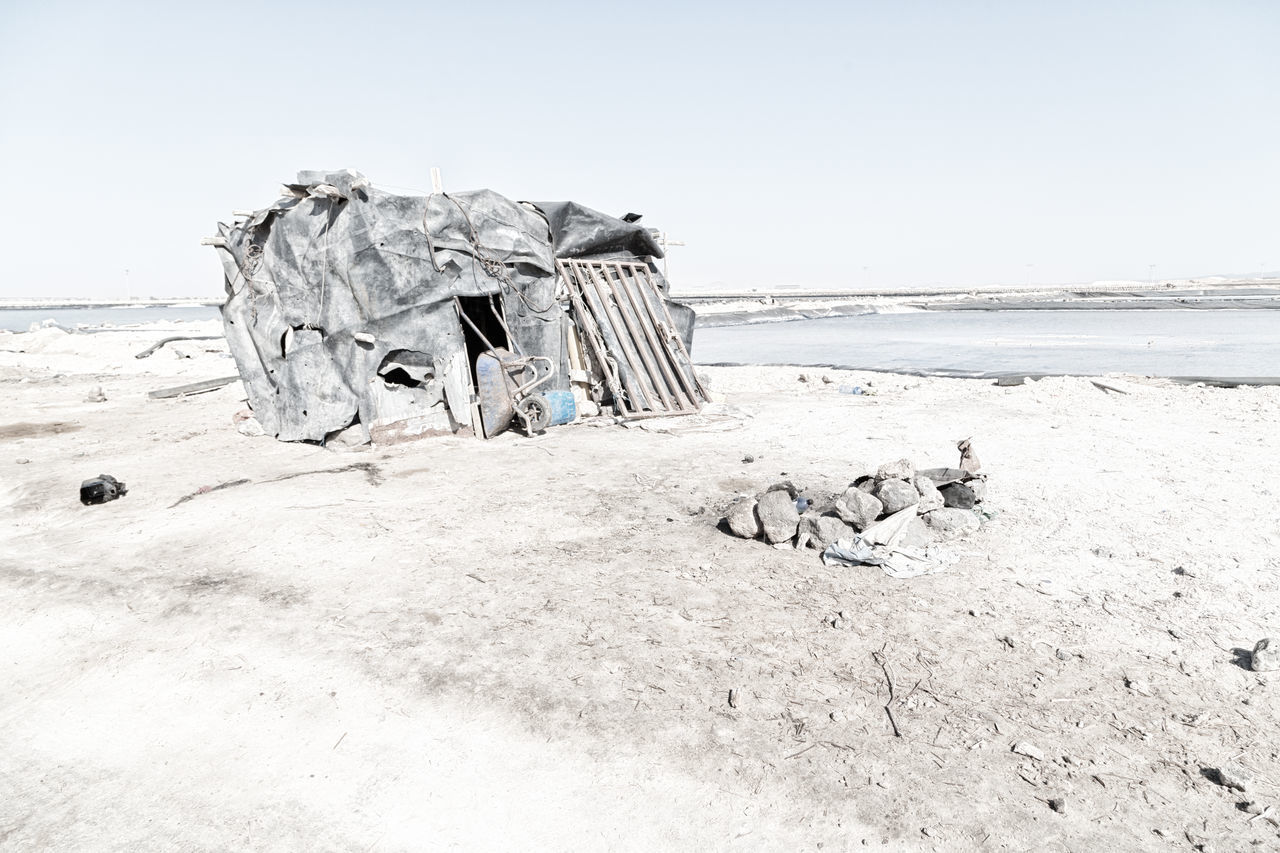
(945, 500)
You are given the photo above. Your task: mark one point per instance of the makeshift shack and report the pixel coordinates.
(385, 316)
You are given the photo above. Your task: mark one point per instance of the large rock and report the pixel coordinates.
(778, 516)
(930, 497)
(896, 495)
(903, 469)
(1266, 655)
(949, 522)
(858, 507)
(742, 518)
(824, 529)
(958, 495)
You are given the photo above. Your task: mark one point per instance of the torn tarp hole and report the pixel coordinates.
(299, 336)
(409, 368)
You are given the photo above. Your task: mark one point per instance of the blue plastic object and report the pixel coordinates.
(563, 407)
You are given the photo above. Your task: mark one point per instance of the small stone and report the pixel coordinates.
(1139, 687)
(250, 427)
(896, 495)
(1058, 804)
(748, 459)
(903, 469)
(958, 495)
(742, 518)
(858, 508)
(824, 529)
(778, 517)
(951, 522)
(1253, 808)
(839, 624)
(979, 487)
(1266, 655)
(785, 486)
(733, 698)
(1030, 750)
(96, 396)
(826, 380)
(1229, 777)
(22, 460)
(930, 497)
(838, 717)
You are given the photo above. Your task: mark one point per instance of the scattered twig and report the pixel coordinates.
(878, 657)
(204, 490)
(146, 353)
(1102, 386)
(193, 388)
(344, 735)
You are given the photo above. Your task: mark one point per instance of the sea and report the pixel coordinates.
(1225, 343)
(22, 319)
(1149, 342)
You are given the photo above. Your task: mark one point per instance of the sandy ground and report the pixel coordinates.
(529, 643)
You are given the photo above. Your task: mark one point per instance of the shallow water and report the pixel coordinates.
(1085, 342)
(1222, 343)
(20, 320)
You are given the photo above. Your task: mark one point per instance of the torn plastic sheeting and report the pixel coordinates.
(893, 561)
(878, 545)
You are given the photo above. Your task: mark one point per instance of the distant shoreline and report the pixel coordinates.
(734, 310)
(72, 303)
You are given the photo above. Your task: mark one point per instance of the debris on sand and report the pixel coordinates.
(1030, 750)
(101, 489)
(1265, 656)
(889, 519)
(1228, 777)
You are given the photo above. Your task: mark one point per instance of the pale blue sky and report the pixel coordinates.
(804, 143)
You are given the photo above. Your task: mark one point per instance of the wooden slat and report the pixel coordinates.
(592, 334)
(654, 367)
(638, 338)
(653, 335)
(614, 325)
(691, 381)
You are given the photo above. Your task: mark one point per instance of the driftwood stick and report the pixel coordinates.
(878, 657)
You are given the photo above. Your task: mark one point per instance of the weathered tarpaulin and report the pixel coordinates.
(343, 301)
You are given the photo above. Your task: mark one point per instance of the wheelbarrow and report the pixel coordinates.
(504, 385)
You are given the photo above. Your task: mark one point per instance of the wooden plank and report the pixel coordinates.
(638, 341)
(645, 318)
(692, 383)
(614, 327)
(594, 339)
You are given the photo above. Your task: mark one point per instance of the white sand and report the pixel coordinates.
(528, 644)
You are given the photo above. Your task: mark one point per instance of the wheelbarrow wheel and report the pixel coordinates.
(535, 411)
